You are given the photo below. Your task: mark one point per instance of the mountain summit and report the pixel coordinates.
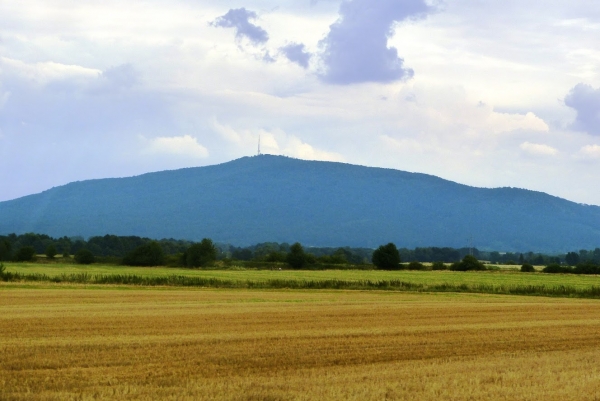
(275, 198)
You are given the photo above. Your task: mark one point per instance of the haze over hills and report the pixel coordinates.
(275, 198)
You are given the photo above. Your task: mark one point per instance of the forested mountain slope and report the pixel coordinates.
(275, 198)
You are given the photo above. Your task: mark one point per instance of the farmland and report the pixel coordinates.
(495, 278)
(70, 342)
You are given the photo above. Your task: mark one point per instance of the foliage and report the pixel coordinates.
(296, 258)
(387, 257)
(468, 263)
(25, 254)
(415, 266)
(527, 268)
(556, 268)
(5, 248)
(439, 266)
(572, 258)
(587, 268)
(149, 254)
(51, 251)
(84, 257)
(201, 254)
(2, 269)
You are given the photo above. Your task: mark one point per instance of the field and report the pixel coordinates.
(489, 278)
(69, 342)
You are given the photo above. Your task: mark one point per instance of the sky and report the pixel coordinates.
(484, 93)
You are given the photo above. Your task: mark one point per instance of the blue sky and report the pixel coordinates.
(484, 93)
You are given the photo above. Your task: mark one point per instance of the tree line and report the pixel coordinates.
(139, 251)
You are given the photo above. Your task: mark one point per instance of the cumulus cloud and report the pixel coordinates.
(184, 145)
(586, 102)
(538, 149)
(355, 49)
(275, 142)
(239, 19)
(590, 151)
(296, 53)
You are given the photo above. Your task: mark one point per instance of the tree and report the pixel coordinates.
(51, 251)
(387, 257)
(572, 258)
(84, 257)
(200, 254)
(469, 262)
(5, 249)
(296, 258)
(149, 254)
(527, 268)
(25, 254)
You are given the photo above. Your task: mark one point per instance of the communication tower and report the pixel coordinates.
(258, 154)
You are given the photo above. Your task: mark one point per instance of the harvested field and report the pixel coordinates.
(60, 342)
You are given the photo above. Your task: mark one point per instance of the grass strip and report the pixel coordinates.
(391, 285)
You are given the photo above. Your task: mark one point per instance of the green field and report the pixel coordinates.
(490, 278)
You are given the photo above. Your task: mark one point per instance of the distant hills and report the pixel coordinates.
(274, 198)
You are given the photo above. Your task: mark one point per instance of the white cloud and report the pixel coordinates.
(186, 146)
(591, 151)
(538, 149)
(275, 142)
(42, 73)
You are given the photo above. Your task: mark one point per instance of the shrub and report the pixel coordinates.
(587, 268)
(415, 266)
(296, 258)
(25, 254)
(556, 268)
(439, 266)
(469, 262)
(84, 257)
(200, 254)
(2, 269)
(387, 257)
(51, 251)
(527, 268)
(5, 249)
(150, 254)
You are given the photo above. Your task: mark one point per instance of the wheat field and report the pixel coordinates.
(68, 342)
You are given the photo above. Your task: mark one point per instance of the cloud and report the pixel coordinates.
(239, 18)
(177, 145)
(586, 102)
(296, 54)
(590, 151)
(538, 149)
(356, 50)
(274, 142)
(121, 76)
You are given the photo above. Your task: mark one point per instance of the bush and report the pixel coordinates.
(415, 266)
(5, 249)
(556, 268)
(469, 262)
(51, 251)
(25, 254)
(587, 268)
(527, 268)
(387, 257)
(84, 257)
(296, 258)
(200, 254)
(150, 254)
(439, 266)
(2, 269)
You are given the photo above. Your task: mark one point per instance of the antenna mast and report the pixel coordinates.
(258, 154)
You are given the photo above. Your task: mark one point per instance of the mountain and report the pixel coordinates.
(274, 198)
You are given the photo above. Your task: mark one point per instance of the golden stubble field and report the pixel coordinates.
(81, 343)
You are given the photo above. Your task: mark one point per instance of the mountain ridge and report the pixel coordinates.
(275, 198)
